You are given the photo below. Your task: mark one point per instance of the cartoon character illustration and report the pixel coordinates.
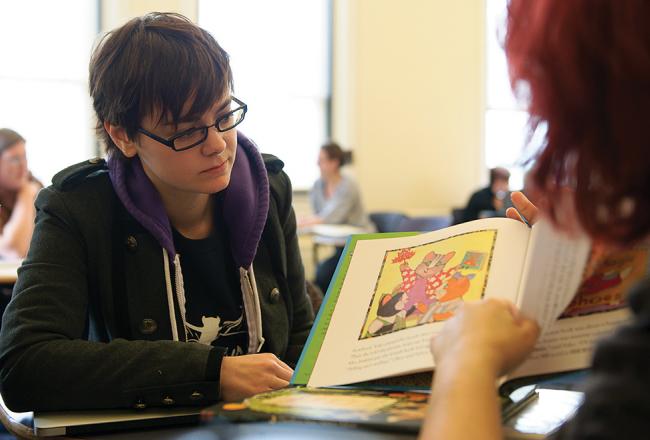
(449, 297)
(600, 281)
(390, 314)
(421, 284)
(605, 289)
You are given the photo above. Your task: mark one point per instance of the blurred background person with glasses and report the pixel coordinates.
(18, 190)
(168, 274)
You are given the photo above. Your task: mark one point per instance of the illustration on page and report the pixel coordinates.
(605, 290)
(427, 283)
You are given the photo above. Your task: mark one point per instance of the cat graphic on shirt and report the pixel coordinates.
(213, 328)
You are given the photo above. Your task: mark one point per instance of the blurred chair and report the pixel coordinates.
(387, 221)
(20, 425)
(315, 296)
(457, 215)
(424, 224)
(398, 222)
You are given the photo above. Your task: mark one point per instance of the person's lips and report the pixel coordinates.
(216, 169)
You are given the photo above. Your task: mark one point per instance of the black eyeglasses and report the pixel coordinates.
(195, 136)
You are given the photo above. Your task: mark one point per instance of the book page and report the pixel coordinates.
(568, 343)
(552, 273)
(599, 306)
(398, 292)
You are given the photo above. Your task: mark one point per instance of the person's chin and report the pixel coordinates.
(218, 184)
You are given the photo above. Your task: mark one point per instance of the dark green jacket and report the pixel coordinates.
(88, 324)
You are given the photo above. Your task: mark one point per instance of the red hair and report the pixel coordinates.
(585, 66)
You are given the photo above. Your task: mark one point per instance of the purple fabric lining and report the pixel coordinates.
(141, 199)
(246, 200)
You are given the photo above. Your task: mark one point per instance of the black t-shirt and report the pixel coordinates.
(214, 306)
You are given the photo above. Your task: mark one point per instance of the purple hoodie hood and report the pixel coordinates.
(245, 200)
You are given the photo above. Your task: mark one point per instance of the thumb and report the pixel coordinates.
(530, 328)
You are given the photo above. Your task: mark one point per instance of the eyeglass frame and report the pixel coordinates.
(170, 141)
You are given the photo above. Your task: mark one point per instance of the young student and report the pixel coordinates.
(18, 190)
(586, 65)
(168, 274)
(335, 199)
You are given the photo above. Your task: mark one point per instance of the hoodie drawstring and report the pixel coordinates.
(170, 295)
(252, 309)
(180, 293)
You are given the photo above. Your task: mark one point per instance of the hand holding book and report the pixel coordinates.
(491, 334)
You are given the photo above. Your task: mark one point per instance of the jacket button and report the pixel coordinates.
(196, 396)
(274, 295)
(148, 326)
(168, 401)
(131, 243)
(140, 405)
(95, 160)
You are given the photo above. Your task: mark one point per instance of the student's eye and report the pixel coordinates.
(185, 133)
(190, 138)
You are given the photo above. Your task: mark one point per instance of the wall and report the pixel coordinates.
(115, 12)
(408, 97)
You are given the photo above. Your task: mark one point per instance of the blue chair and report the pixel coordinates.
(387, 221)
(425, 224)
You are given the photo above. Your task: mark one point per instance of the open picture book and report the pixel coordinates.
(392, 292)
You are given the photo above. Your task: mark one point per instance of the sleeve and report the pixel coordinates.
(337, 208)
(473, 208)
(616, 402)
(46, 359)
(303, 315)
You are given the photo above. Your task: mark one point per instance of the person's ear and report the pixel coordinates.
(121, 139)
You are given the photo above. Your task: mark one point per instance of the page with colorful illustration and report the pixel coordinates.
(391, 295)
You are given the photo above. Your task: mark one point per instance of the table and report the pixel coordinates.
(331, 235)
(268, 431)
(9, 271)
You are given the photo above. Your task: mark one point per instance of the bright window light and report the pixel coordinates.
(43, 80)
(279, 53)
(505, 119)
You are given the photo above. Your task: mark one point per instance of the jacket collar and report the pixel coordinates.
(245, 200)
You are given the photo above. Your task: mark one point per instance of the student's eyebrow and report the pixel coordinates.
(193, 117)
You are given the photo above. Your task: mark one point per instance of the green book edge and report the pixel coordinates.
(316, 337)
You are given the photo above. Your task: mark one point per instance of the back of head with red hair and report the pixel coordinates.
(585, 65)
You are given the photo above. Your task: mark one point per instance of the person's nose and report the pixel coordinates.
(215, 142)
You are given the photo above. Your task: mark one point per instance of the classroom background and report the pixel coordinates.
(416, 89)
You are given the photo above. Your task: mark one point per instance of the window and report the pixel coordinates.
(279, 53)
(505, 119)
(43, 81)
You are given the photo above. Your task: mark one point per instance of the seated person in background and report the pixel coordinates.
(18, 191)
(335, 199)
(170, 273)
(491, 198)
(586, 75)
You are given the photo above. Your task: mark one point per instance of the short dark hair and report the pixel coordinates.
(156, 62)
(9, 138)
(585, 67)
(335, 152)
(499, 173)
